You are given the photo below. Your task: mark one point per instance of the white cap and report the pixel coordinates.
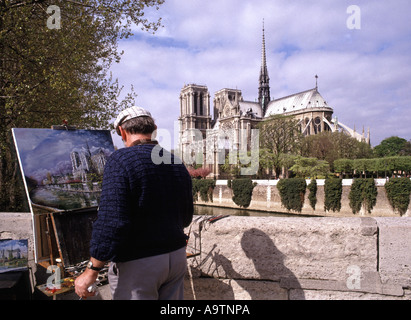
(130, 113)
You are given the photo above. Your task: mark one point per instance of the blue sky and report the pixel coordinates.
(364, 74)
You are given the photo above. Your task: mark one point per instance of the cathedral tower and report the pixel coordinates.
(195, 108)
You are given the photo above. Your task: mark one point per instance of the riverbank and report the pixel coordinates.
(207, 210)
(266, 198)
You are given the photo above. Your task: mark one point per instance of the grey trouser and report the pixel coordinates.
(157, 277)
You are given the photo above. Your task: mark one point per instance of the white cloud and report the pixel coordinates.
(363, 74)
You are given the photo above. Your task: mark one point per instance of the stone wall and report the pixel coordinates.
(266, 197)
(272, 258)
(299, 258)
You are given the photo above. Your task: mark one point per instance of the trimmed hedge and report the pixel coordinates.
(398, 193)
(243, 190)
(386, 165)
(363, 192)
(205, 187)
(333, 192)
(292, 192)
(312, 197)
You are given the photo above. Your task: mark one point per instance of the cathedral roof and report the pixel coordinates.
(254, 106)
(296, 102)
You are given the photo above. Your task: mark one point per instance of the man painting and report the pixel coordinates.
(143, 210)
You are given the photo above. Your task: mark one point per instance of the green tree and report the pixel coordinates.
(281, 135)
(266, 162)
(364, 166)
(344, 166)
(330, 146)
(49, 74)
(234, 163)
(310, 167)
(406, 150)
(376, 166)
(392, 146)
(402, 163)
(287, 161)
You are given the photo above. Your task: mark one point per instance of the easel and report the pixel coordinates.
(67, 283)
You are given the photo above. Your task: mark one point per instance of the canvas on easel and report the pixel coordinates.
(63, 172)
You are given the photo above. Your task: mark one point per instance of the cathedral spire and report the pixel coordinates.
(264, 81)
(263, 57)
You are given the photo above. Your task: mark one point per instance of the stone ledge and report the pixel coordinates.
(369, 282)
(287, 258)
(340, 295)
(272, 248)
(341, 257)
(395, 250)
(229, 289)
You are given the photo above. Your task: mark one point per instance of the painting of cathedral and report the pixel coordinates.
(62, 169)
(85, 161)
(232, 116)
(13, 255)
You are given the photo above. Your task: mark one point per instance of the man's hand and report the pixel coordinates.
(85, 280)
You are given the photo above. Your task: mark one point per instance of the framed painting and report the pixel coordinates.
(13, 255)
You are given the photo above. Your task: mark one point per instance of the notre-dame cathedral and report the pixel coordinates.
(205, 139)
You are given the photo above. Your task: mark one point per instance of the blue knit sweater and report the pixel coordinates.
(143, 206)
